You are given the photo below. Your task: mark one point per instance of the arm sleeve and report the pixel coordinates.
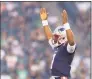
(70, 48)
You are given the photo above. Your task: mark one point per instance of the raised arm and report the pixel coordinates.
(44, 16)
(69, 33)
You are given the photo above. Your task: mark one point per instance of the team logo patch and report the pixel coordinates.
(61, 29)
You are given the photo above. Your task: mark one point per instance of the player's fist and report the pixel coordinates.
(43, 14)
(64, 17)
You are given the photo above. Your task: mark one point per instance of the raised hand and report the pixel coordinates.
(43, 14)
(64, 17)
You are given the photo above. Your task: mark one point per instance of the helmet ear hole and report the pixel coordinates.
(63, 38)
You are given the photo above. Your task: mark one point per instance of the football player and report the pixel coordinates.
(62, 41)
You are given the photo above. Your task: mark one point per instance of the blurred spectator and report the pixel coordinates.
(2, 54)
(21, 72)
(4, 76)
(11, 61)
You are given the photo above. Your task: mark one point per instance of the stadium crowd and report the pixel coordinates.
(25, 52)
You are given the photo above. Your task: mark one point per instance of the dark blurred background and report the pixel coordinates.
(25, 52)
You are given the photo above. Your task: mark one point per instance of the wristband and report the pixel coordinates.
(67, 26)
(44, 22)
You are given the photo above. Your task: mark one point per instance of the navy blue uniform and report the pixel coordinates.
(62, 62)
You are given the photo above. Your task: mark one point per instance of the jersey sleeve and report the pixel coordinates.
(50, 43)
(70, 48)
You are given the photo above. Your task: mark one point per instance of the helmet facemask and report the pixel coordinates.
(59, 36)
